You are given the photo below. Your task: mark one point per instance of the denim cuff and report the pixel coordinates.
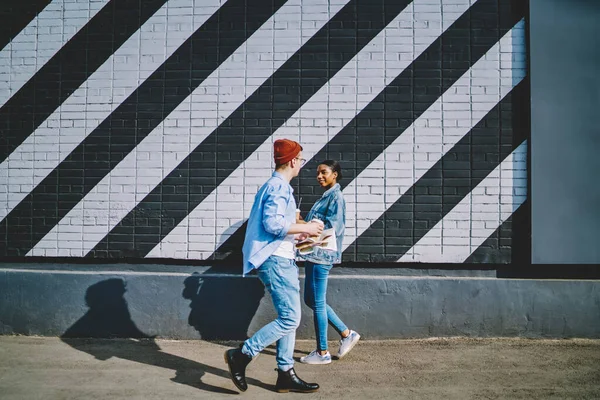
(247, 350)
(285, 368)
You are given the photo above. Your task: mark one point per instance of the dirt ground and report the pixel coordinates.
(456, 368)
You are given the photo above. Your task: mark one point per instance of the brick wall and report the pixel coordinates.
(144, 130)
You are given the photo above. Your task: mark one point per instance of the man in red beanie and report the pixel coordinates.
(269, 249)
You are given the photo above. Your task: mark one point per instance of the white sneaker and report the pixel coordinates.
(315, 358)
(347, 343)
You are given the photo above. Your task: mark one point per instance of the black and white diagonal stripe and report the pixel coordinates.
(154, 143)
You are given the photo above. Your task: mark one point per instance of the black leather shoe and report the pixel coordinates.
(288, 381)
(237, 362)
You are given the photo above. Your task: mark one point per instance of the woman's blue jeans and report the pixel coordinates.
(315, 296)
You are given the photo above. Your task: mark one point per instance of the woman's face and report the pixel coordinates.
(325, 176)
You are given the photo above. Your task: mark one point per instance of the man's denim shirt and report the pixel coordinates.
(331, 209)
(273, 212)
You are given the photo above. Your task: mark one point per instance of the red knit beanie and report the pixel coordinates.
(284, 150)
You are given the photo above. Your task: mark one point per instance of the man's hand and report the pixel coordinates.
(306, 228)
(314, 228)
(301, 236)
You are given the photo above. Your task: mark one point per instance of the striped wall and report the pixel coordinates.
(143, 129)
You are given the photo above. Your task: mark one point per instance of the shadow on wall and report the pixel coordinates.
(108, 317)
(222, 309)
(229, 249)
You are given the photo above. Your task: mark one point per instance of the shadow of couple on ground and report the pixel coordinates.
(215, 313)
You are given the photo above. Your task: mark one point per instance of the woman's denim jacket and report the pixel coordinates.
(331, 209)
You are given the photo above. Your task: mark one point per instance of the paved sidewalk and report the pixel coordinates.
(49, 368)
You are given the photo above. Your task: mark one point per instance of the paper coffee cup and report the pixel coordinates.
(318, 221)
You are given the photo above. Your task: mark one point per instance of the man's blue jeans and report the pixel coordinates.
(280, 277)
(315, 296)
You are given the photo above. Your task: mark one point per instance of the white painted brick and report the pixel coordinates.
(461, 106)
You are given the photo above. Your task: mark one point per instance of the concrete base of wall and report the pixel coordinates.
(186, 302)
